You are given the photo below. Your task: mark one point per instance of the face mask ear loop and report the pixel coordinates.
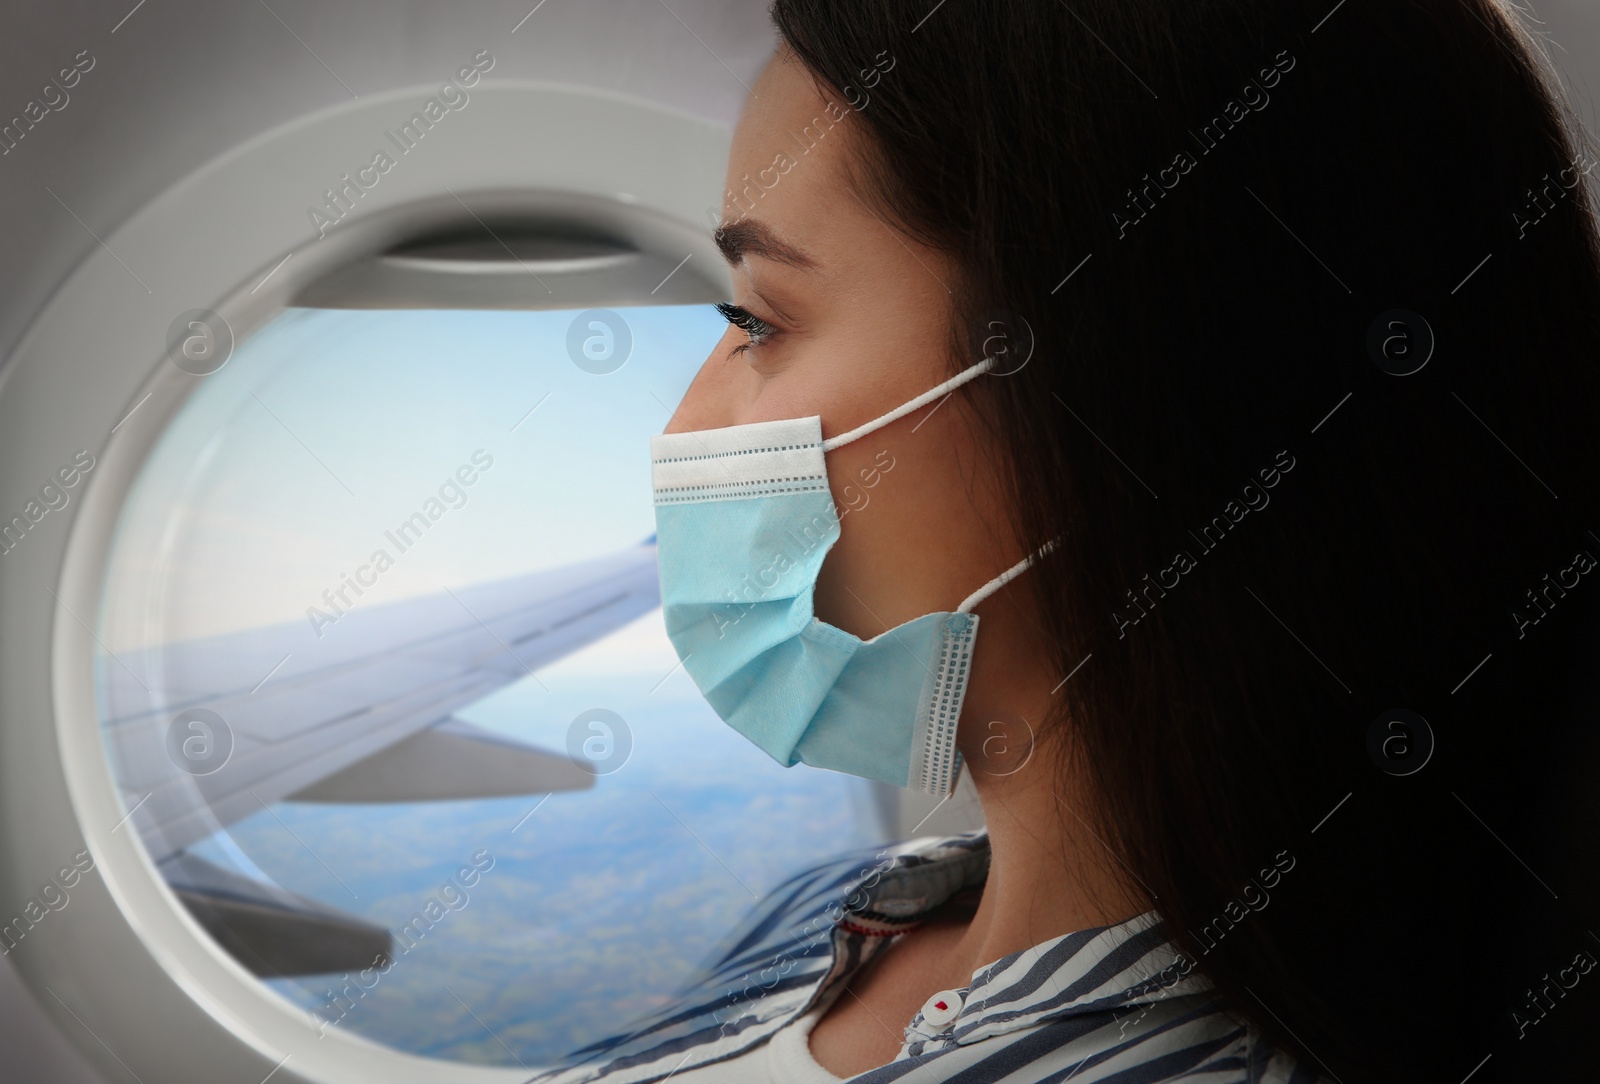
(1004, 578)
(906, 408)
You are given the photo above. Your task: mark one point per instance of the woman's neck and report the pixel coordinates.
(1050, 873)
(1045, 879)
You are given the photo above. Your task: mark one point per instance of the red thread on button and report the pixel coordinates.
(941, 1006)
(846, 924)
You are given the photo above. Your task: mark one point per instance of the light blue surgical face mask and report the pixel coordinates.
(744, 517)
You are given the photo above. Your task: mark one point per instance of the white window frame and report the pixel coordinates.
(123, 968)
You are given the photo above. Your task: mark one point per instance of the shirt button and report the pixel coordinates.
(942, 1008)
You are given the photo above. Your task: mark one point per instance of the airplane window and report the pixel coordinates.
(384, 682)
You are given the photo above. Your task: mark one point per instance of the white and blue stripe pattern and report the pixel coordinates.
(1101, 1006)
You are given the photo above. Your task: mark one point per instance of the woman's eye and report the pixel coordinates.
(748, 322)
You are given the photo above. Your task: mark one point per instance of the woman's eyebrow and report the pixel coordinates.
(747, 237)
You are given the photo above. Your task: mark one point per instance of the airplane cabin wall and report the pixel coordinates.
(182, 81)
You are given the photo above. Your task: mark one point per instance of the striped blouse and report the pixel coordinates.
(1114, 1003)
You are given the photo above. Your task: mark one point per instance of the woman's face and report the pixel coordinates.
(856, 322)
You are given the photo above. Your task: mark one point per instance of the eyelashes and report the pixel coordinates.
(758, 330)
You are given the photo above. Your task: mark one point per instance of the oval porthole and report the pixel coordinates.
(382, 674)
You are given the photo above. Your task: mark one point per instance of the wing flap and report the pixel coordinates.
(273, 932)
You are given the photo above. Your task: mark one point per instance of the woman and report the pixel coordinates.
(1248, 356)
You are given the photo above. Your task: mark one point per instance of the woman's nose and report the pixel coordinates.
(710, 402)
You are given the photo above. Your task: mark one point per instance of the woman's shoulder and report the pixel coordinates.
(819, 894)
(1244, 1056)
(1188, 1040)
(764, 968)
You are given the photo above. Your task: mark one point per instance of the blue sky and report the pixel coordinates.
(328, 427)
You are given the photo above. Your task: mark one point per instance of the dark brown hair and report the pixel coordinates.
(1230, 228)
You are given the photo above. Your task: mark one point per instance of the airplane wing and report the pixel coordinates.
(205, 732)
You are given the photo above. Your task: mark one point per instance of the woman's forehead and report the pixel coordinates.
(788, 162)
